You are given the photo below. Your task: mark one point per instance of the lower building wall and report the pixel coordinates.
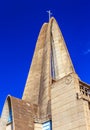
(2, 125)
(67, 111)
(9, 127)
(37, 126)
(87, 113)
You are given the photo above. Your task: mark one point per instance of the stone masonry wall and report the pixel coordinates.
(67, 111)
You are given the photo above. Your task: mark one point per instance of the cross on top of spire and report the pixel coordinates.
(49, 13)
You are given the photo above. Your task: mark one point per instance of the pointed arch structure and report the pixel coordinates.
(22, 115)
(6, 114)
(51, 61)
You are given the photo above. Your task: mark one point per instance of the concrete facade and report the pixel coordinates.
(53, 91)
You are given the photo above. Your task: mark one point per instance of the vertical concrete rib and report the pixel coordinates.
(31, 92)
(62, 64)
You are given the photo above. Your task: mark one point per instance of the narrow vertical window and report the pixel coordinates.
(52, 59)
(10, 116)
(10, 113)
(89, 105)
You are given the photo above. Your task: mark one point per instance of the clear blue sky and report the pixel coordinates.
(20, 23)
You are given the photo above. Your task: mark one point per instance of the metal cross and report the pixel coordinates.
(49, 13)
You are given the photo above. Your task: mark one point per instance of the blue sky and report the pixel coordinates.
(20, 23)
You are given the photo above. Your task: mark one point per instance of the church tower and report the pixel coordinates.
(54, 97)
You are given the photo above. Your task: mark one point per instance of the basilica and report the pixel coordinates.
(54, 97)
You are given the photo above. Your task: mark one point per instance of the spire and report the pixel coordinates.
(51, 60)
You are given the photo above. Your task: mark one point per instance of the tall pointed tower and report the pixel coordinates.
(54, 97)
(51, 62)
(53, 84)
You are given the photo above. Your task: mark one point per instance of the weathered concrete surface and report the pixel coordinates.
(9, 127)
(62, 62)
(22, 114)
(67, 111)
(32, 88)
(37, 126)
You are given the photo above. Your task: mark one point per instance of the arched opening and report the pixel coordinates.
(9, 119)
(6, 117)
(52, 58)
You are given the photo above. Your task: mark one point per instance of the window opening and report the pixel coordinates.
(47, 125)
(9, 120)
